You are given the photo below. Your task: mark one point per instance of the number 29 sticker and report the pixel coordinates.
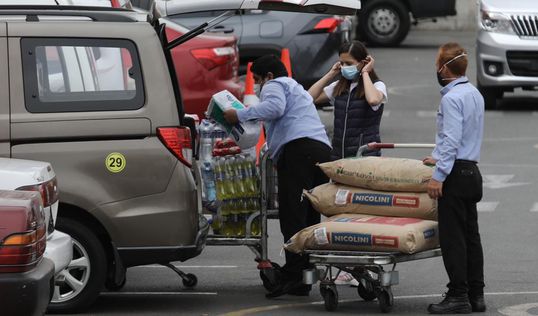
(115, 162)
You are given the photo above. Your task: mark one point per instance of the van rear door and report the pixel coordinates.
(4, 94)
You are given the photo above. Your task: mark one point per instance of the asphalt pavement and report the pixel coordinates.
(508, 214)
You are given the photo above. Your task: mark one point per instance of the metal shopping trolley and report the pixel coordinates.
(268, 210)
(366, 267)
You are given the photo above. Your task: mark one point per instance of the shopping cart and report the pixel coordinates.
(366, 267)
(268, 210)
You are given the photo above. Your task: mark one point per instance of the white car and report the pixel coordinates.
(29, 175)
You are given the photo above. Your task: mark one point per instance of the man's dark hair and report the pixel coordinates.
(269, 63)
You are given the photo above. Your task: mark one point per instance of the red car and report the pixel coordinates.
(204, 65)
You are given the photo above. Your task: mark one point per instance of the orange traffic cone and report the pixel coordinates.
(250, 97)
(285, 58)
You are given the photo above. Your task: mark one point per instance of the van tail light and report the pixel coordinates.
(23, 214)
(48, 191)
(211, 58)
(326, 25)
(178, 141)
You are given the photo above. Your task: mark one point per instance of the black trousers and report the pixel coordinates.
(458, 230)
(297, 171)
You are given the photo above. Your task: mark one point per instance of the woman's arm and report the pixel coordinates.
(373, 96)
(316, 90)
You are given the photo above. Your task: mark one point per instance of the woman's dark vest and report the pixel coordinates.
(356, 123)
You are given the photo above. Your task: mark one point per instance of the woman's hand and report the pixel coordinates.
(369, 60)
(335, 69)
(231, 116)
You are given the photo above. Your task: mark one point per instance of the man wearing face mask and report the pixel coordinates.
(457, 183)
(297, 141)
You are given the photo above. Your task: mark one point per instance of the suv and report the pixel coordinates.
(26, 278)
(93, 91)
(387, 22)
(507, 48)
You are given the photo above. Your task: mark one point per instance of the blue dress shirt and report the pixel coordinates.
(460, 126)
(288, 112)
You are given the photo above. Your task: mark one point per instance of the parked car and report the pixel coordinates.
(507, 48)
(312, 39)
(387, 22)
(26, 277)
(204, 66)
(97, 100)
(29, 175)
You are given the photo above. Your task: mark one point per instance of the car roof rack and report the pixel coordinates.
(98, 14)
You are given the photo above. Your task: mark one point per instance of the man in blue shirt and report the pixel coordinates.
(457, 183)
(297, 141)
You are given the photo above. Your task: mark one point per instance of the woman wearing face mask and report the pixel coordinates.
(358, 98)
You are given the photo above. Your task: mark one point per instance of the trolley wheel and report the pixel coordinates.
(386, 300)
(366, 293)
(270, 277)
(330, 297)
(190, 280)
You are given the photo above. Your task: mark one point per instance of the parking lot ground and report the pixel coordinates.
(228, 279)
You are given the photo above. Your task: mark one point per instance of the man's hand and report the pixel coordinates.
(435, 189)
(231, 116)
(429, 161)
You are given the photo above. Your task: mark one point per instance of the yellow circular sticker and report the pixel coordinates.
(115, 162)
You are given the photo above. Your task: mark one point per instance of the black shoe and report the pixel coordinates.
(284, 288)
(451, 305)
(478, 304)
(302, 290)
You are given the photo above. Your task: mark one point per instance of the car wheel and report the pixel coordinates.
(490, 95)
(79, 284)
(383, 22)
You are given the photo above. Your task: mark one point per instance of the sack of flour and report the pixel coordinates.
(245, 134)
(367, 233)
(333, 199)
(380, 173)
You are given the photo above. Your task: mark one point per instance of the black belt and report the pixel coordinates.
(466, 161)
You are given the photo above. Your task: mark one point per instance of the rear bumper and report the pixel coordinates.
(27, 293)
(134, 256)
(495, 48)
(59, 250)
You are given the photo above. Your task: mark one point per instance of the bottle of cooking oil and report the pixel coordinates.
(227, 228)
(256, 224)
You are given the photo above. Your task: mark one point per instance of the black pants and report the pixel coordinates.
(297, 171)
(458, 230)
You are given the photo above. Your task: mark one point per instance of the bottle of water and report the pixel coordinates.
(206, 142)
(208, 178)
(217, 134)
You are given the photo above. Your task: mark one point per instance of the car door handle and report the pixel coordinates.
(221, 29)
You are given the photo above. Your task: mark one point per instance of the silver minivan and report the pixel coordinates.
(507, 48)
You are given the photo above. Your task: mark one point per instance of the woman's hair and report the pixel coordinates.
(358, 51)
(449, 51)
(269, 64)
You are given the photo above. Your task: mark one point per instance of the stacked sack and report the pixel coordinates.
(376, 204)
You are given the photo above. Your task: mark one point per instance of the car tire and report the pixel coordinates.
(86, 274)
(490, 95)
(383, 22)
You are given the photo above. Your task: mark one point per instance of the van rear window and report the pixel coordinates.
(73, 75)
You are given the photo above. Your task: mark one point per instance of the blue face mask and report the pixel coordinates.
(349, 72)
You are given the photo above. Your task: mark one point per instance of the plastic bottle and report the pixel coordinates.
(208, 178)
(218, 134)
(219, 179)
(226, 219)
(256, 224)
(206, 142)
(240, 177)
(229, 178)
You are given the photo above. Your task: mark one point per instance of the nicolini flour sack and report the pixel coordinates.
(380, 173)
(367, 233)
(333, 199)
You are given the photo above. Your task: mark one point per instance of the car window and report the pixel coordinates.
(81, 75)
(201, 14)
